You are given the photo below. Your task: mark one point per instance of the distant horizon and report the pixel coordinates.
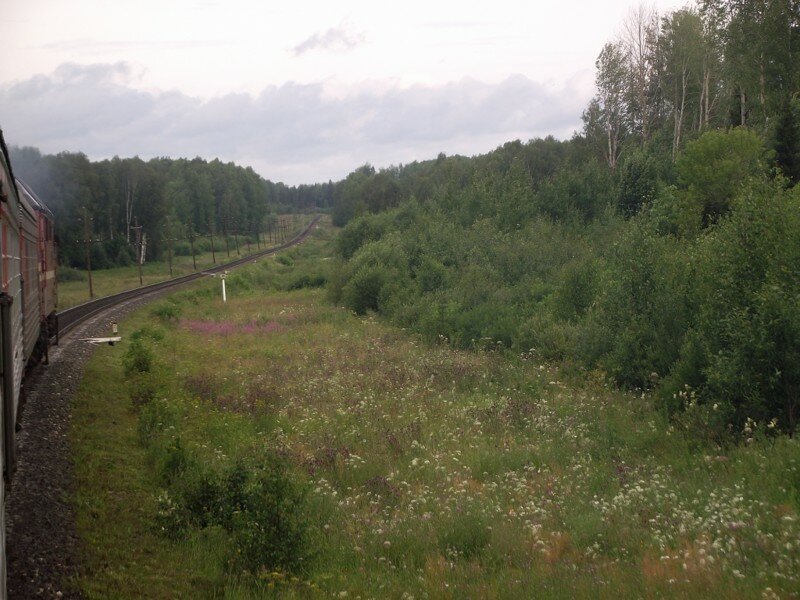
(15, 147)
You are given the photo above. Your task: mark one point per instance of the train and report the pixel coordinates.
(28, 302)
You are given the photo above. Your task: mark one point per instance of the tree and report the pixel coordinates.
(612, 75)
(683, 47)
(787, 141)
(640, 39)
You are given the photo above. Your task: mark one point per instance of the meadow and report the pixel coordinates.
(279, 445)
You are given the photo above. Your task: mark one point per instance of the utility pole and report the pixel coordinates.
(225, 234)
(191, 243)
(138, 229)
(169, 241)
(213, 252)
(235, 238)
(88, 241)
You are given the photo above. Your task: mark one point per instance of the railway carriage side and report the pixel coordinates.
(11, 344)
(45, 272)
(29, 267)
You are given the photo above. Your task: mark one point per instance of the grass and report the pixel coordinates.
(430, 472)
(106, 282)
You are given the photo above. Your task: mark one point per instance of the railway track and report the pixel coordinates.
(71, 317)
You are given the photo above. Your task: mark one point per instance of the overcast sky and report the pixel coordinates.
(302, 91)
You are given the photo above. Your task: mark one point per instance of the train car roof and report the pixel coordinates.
(28, 196)
(7, 164)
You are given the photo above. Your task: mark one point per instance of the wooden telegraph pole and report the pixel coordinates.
(225, 234)
(235, 238)
(191, 244)
(169, 241)
(138, 229)
(87, 242)
(213, 252)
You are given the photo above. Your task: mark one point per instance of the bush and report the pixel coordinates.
(307, 281)
(138, 358)
(182, 249)
(64, 274)
(714, 167)
(142, 391)
(167, 312)
(748, 319)
(272, 531)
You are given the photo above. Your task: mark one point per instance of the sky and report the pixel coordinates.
(302, 91)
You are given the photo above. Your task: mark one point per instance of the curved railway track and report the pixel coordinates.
(69, 318)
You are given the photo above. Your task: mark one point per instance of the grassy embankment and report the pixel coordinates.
(73, 288)
(394, 469)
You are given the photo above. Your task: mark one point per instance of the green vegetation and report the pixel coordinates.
(278, 445)
(73, 284)
(584, 381)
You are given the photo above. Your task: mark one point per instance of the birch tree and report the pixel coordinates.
(612, 76)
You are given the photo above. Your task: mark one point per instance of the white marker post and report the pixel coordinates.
(224, 295)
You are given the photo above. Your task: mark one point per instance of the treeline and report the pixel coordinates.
(171, 200)
(661, 251)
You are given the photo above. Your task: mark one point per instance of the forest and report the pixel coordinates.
(174, 201)
(659, 247)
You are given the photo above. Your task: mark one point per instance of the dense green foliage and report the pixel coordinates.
(661, 246)
(288, 448)
(176, 202)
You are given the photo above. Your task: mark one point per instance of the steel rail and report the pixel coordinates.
(71, 317)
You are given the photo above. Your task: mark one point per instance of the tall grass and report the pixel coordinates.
(408, 468)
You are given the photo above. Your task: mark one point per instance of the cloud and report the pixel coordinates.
(296, 133)
(336, 38)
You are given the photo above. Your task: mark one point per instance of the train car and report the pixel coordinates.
(45, 256)
(11, 327)
(29, 269)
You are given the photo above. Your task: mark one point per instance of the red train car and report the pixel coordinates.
(39, 261)
(12, 359)
(27, 308)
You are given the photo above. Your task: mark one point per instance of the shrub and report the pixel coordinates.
(167, 312)
(138, 358)
(182, 249)
(272, 532)
(307, 281)
(748, 318)
(142, 391)
(715, 166)
(64, 274)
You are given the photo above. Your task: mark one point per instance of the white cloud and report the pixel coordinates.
(293, 132)
(336, 38)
